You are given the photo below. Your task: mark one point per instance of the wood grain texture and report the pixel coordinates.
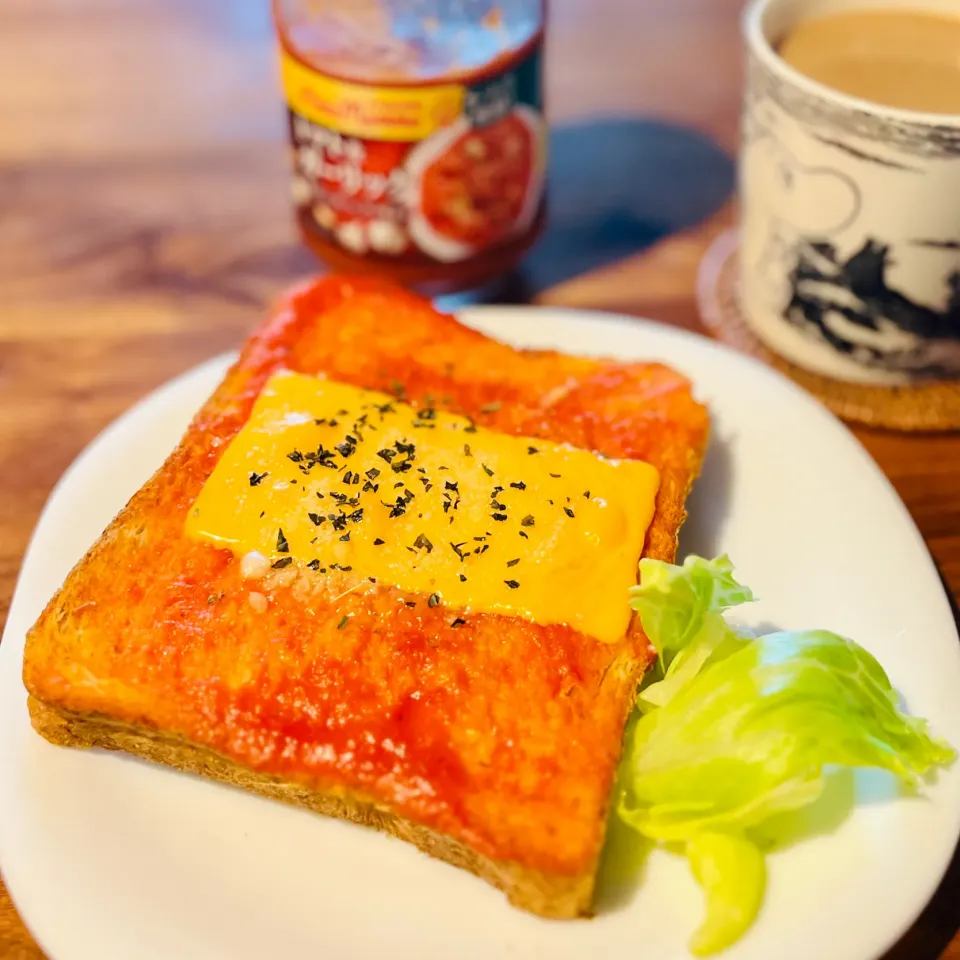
(145, 226)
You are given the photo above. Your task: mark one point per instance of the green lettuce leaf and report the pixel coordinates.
(733, 875)
(739, 729)
(680, 609)
(672, 601)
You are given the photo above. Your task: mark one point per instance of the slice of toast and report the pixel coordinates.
(492, 746)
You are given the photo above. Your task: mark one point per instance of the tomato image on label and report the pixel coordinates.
(474, 192)
(474, 187)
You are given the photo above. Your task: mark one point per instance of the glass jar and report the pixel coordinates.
(417, 136)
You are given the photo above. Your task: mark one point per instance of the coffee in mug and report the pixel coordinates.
(904, 58)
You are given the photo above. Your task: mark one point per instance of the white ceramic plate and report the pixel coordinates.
(108, 858)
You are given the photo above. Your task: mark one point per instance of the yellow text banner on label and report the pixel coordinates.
(370, 112)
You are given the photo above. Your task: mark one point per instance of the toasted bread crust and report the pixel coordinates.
(123, 657)
(548, 895)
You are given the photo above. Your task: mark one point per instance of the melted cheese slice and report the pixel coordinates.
(337, 479)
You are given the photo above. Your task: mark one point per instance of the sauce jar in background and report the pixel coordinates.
(417, 135)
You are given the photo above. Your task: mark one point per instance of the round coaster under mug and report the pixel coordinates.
(932, 406)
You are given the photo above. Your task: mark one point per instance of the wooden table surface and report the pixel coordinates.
(144, 225)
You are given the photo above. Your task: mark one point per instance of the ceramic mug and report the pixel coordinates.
(850, 229)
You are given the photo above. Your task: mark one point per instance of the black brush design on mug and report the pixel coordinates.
(937, 244)
(918, 139)
(837, 208)
(841, 199)
(865, 155)
(849, 303)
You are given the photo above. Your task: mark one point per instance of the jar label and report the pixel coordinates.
(438, 172)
